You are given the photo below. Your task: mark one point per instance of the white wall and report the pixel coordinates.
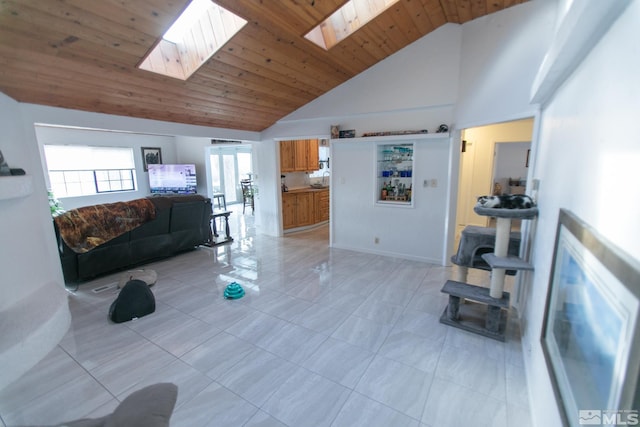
(414, 89)
(266, 167)
(414, 233)
(511, 160)
(501, 54)
(422, 76)
(64, 117)
(193, 150)
(586, 160)
(180, 143)
(34, 313)
(48, 135)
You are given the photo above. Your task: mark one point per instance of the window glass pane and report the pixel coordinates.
(244, 165)
(72, 176)
(214, 161)
(230, 184)
(74, 189)
(76, 170)
(102, 175)
(103, 186)
(60, 189)
(56, 177)
(86, 176)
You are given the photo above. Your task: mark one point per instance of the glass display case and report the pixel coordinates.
(395, 173)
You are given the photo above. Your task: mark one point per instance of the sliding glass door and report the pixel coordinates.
(228, 166)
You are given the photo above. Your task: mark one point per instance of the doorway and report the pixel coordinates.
(227, 167)
(480, 169)
(510, 167)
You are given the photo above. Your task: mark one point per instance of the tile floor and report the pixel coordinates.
(323, 337)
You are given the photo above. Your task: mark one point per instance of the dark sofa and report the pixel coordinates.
(181, 223)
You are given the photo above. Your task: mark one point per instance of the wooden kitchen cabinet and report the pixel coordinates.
(321, 200)
(304, 207)
(288, 210)
(313, 154)
(297, 209)
(287, 156)
(299, 155)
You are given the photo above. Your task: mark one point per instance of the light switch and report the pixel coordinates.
(425, 183)
(434, 182)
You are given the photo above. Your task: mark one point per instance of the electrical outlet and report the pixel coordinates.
(376, 240)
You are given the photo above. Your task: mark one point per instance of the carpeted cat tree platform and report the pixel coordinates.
(496, 249)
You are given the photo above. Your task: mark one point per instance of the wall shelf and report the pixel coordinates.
(393, 139)
(13, 187)
(394, 172)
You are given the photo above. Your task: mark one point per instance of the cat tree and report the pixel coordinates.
(486, 314)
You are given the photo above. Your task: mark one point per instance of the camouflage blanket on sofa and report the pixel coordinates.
(84, 228)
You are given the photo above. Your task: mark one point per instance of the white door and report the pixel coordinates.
(476, 167)
(227, 167)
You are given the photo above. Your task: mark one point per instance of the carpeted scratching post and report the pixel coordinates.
(487, 309)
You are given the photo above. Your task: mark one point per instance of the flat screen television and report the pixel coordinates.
(172, 179)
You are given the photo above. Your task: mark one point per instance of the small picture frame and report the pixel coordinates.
(335, 131)
(151, 156)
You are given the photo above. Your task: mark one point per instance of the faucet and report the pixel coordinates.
(324, 175)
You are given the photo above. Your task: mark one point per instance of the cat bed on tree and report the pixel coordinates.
(504, 208)
(508, 206)
(528, 213)
(476, 241)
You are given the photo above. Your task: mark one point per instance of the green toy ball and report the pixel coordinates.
(233, 291)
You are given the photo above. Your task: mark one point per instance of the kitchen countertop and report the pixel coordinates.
(306, 189)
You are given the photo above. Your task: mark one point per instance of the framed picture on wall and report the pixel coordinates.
(151, 156)
(590, 330)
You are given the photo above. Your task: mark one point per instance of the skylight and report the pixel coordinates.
(346, 21)
(186, 20)
(198, 33)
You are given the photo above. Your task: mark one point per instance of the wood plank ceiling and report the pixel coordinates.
(83, 54)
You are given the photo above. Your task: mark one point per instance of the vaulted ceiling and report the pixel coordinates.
(83, 54)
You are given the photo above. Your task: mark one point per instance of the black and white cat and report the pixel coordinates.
(506, 201)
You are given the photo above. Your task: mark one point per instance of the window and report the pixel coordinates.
(347, 20)
(84, 171)
(202, 29)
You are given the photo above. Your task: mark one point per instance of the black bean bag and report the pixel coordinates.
(134, 300)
